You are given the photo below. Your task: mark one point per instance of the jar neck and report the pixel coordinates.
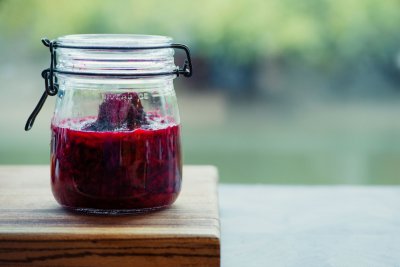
(123, 55)
(101, 82)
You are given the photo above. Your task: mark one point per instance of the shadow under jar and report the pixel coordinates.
(115, 133)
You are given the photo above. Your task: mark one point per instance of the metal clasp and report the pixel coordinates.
(48, 74)
(187, 69)
(51, 88)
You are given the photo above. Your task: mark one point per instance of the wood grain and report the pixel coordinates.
(35, 231)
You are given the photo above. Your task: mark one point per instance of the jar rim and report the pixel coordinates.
(115, 40)
(115, 54)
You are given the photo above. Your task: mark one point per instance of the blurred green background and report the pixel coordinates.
(284, 91)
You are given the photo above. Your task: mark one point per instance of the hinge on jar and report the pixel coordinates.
(51, 86)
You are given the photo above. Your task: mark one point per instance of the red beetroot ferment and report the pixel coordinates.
(123, 160)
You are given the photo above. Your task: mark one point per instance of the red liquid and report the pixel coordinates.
(121, 170)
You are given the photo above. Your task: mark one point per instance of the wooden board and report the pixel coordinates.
(36, 231)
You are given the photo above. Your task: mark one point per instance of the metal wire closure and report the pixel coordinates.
(51, 86)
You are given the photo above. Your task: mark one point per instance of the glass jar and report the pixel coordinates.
(115, 132)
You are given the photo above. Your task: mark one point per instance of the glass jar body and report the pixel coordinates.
(115, 144)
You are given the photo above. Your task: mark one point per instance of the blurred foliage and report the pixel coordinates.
(318, 32)
(294, 53)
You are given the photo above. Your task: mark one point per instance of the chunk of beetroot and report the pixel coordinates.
(119, 111)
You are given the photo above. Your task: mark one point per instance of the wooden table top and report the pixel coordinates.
(36, 231)
(264, 225)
